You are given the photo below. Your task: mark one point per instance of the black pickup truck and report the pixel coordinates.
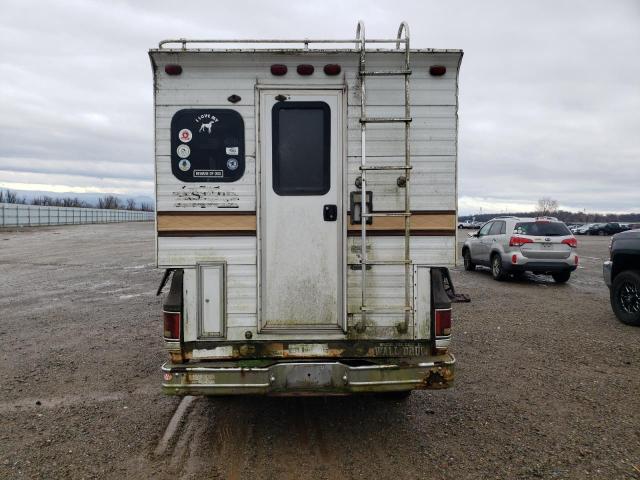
(622, 276)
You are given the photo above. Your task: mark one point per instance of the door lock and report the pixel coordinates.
(330, 213)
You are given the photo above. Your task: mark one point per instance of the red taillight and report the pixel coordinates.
(437, 70)
(278, 69)
(305, 69)
(332, 69)
(443, 322)
(517, 241)
(173, 69)
(171, 325)
(572, 242)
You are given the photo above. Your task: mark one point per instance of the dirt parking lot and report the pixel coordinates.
(548, 382)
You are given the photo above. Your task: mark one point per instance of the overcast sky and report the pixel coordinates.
(549, 91)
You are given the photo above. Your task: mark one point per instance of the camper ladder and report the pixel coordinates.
(402, 181)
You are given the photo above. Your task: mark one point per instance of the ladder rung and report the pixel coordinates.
(386, 310)
(386, 262)
(387, 214)
(385, 119)
(387, 167)
(384, 72)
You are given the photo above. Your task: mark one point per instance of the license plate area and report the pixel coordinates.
(308, 376)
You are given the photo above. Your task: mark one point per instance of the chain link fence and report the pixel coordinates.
(18, 215)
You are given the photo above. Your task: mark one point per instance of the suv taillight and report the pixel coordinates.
(171, 325)
(443, 322)
(572, 242)
(516, 241)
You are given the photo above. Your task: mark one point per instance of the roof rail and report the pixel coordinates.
(304, 41)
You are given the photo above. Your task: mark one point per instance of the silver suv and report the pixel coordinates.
(515, 245)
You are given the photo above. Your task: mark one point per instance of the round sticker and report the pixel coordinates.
(232, 163)
(185, 135)
(183, 151)
(184, 165)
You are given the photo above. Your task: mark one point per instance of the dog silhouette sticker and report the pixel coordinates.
(207, 126)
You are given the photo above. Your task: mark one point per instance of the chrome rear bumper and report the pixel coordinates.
(306, 378)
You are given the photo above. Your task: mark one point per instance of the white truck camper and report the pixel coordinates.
(306, 195)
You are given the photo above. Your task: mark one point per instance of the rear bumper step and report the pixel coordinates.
(307, 378)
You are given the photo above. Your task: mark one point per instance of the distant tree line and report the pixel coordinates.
(107, 202)
(549, 206)
(565, 216)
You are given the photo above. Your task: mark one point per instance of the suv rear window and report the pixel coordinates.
(543, 229)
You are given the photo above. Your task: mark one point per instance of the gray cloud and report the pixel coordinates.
(549, 97)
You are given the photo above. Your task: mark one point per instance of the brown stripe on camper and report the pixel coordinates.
(206, 223)
(423, 223)
(235, 223)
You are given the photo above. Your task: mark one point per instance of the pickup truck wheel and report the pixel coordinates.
(497, 270)
(561, 277)
(625, 297)
(469, 266)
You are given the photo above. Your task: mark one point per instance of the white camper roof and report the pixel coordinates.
(298, 45)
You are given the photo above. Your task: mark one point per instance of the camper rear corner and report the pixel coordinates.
(262, 158)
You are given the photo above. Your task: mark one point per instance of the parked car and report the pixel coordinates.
(605, 229)
(583, 229)
(469, 224)
(515, 245)
(622, 276)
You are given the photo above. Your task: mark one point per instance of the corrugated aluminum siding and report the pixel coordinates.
(208, 79)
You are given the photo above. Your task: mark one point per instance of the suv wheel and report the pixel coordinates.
(497, 270)
(561, 277)
(625, 297)
(469, 266)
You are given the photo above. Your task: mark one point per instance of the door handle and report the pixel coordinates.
(330, 213)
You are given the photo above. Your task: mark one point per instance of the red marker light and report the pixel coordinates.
(173, 69)
(437, 70)
(305, 69)
(332, 69)
(278, 69)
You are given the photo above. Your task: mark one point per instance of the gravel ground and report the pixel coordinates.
(547, 382)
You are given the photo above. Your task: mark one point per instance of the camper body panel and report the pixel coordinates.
(216, 232)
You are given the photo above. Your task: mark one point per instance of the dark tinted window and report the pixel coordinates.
(301, 148)
(542, 229)
(495, 228)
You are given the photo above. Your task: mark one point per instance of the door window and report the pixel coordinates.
(485, 229)
(301, 148)
(496, 228)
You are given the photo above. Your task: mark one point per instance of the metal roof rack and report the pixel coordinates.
(358, 42)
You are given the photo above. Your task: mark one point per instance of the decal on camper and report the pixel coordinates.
(216, 150)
